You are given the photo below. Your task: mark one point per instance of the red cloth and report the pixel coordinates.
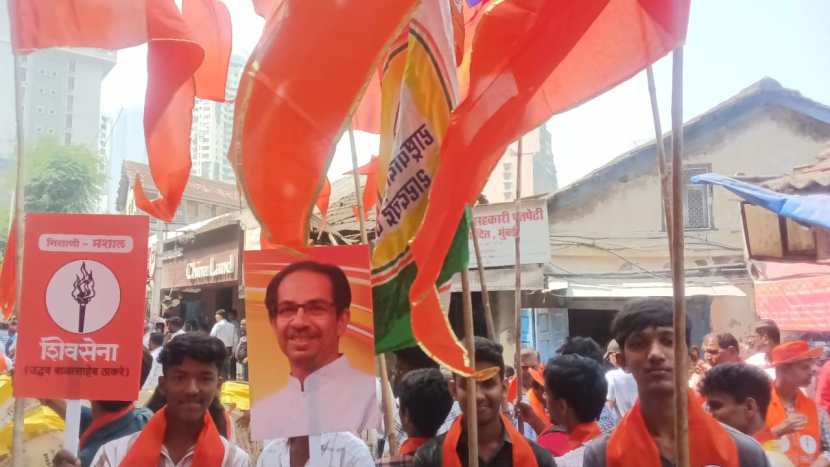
(8, 275)
(530, 59)
(823, 387)
(289, 111)
(555, 441)
(411, 445)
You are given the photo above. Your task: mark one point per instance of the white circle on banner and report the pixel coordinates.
(82, 289)
(808, 444)
(783, 444)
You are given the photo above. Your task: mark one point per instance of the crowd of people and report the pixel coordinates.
(760, 403)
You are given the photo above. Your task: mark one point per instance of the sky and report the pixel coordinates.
(731, 44)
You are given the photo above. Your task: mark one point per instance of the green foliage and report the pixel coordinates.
(62, 178)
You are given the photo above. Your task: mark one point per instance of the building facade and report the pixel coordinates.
(608, 232)
(538, 169)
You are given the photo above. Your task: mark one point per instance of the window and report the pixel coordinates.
(697, 205)
(50, 131)
(72, 64)
(507, 166)
(70, 83)
(70, 104)
(507, 195)
(508, 186)
(39, 109)
(67, 138)
(68, 122)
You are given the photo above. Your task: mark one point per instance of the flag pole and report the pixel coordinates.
(386, 395)
(470, 413)
(518, 291)
(20, 215)
(485, 296)
(678, 267)
(662, 171)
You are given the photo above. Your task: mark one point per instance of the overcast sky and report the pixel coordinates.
(730, 45)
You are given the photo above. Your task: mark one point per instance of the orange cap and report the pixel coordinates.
(794, 351)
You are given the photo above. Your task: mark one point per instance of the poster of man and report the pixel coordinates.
(311, 357)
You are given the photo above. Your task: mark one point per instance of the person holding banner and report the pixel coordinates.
(182, 434)
(500, 444)
(645, 436)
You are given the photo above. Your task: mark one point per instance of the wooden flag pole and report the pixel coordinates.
(678, 266)
(662, 171)
(518, 292)
(20, 215)
(470, 412)
(485, 296)
(386, 395)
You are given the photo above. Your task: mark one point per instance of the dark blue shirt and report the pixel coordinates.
(128, 424)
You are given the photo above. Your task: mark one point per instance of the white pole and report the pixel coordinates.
(72, 430)
(20, 214)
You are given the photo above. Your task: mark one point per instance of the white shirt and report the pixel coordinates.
(337, 450)
(622, 389)
(572, 458)
(225, 331)
(177, 333)
(155, 371)
(760, 360)
(113, 453)
(334, 398)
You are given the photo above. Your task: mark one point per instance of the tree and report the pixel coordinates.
(62, 178)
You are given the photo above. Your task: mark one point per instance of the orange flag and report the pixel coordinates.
(322, 202)
(295, 98)
(8, 275)
(111, 24)
(367, 116)
(530, 59)
(179, 70)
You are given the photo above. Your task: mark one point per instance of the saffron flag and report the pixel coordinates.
(420, 90)
(182, 65)
(8, 275)
(110, 24)
(296, 96)
(530, 59)
(367, 116)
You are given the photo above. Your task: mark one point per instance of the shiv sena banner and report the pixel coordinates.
(82, 307)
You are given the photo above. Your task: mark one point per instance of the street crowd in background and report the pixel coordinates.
(753, 403)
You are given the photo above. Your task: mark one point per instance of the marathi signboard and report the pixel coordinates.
(82, 307)
(496, 229)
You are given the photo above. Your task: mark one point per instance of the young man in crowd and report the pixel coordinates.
(575, 391)
(529, 401)
(587, 347)
(645, 437)
(102, 422)
(241, 350)
(765, 336)
(156, 342)
(738, 395)
(622, 388)
(175, 327)
(182, 434)
(225, 331)
(425, 400)
(499, 444)
(803, 431)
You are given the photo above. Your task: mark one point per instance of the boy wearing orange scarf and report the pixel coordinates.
(499, 444)
(575, 391)
(182, 434)
(645, 436)
(802, 431)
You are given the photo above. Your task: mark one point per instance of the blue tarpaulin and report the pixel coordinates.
(812, 210)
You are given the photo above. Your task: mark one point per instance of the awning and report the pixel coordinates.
(502, 279)
(813, 210)
(637, 289)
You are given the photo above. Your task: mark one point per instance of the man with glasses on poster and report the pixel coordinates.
(308, 308)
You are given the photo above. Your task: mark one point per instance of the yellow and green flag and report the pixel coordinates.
(419, 90)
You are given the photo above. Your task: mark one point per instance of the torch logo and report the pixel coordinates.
(83, 291)
(82, 296)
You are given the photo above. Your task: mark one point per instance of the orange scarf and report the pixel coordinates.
(632, 444)
(411, 445)
(146, 451)
(583, 433)
(522, 453)
(103, 421)
(795, 442)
